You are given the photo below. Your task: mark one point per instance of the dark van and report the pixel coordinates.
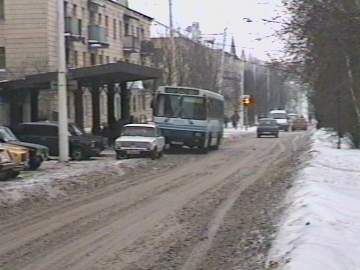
(82, 146)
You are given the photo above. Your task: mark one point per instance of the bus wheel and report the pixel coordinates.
(218, 142)
(206, 146)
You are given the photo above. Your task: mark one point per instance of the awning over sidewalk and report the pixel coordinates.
(119, 72)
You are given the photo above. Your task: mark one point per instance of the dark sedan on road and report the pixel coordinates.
(269, 127)
(82, 146)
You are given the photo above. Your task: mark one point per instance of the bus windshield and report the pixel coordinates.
(177, 106)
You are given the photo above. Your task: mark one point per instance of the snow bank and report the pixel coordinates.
(52, 178)
(321, 229)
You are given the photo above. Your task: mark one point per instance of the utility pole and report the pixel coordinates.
(173, 74)
(222, 63)
(268, 86)
(62, 92)
(255, 90)
(242, 90)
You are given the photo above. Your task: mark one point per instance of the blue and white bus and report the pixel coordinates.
(189, 116)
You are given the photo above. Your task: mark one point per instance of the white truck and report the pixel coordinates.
(281, 118)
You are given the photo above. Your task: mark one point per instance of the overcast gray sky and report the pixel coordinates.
(214, 16)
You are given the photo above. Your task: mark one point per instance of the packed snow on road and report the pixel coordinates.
(321, 229)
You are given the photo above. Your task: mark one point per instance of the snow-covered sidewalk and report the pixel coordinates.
(321, 227)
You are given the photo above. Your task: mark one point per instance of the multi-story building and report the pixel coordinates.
(103, 51)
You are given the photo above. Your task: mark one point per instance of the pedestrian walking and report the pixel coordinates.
(226, 121)
(235, 119)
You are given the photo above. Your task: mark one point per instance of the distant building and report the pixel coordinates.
(198, 65)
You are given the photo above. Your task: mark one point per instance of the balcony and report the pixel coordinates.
(73, 28)
(132, 44)
(97, 37)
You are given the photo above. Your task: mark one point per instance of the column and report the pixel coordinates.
(34, 105)
(111, 107)
(125, 102)
(95, 93)
(79, 106)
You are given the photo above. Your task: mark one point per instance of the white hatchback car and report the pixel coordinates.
(140, 140)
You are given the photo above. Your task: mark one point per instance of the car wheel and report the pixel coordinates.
(204, 149)
(77, 154)
(35, 163)
(119, 156)
(13, 174)
(154, 154)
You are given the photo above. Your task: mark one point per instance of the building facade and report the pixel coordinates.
(97, 33)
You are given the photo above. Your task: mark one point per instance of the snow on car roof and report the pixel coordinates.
(278, 111)
(141, 125)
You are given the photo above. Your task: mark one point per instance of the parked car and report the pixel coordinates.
(20, 155)
(267, 126)
(8, 166)
(140, 140)
(299, 123)
(37, 153)
(82, 146)
(281, 118)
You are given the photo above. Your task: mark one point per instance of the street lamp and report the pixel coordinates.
(173, 74)
(62, 92)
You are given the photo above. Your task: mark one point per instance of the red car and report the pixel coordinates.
(299, 123)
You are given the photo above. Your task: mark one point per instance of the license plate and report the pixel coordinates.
(133, 152)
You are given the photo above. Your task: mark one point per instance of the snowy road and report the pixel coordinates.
(186, 211)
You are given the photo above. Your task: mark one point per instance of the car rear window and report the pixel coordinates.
(267, 122)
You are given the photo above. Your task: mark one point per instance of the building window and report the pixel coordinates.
(65, 7)
(92, 17)
(144, 102)
(84, 59)
(67, 56)
(93, 59)
(107, 59)
(134, 104)
(142, 35)
(120, 29)
(99, 19)
(138, 32)
(132, 30)
(101, 59)
(74, 10)
(76, 59)
(114, 28)
(80, 27)
(127, 29)
(115, 60)
(107, 25)
(2, 58)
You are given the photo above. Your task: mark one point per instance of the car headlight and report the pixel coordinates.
(4, 156)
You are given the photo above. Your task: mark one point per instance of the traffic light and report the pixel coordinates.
(247, 100)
